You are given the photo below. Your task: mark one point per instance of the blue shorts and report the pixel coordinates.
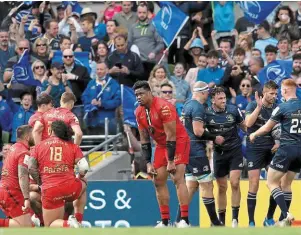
(258, 157)
(287, 158)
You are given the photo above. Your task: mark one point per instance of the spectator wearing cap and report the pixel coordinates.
(6, 51)
(284, 52)
(77, 75)
(212, 75)
(57, 83)
(296, 73)
(126, 18)
(194, 47)
(144, 35)
(264, 38)
(60, 9)
(23, 114)
(235, 74)
(124, 65)
(101, 98)
(285, 24)
(90, 38)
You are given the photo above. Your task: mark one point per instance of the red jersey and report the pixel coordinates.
(18, 155)
(161, 111)
(36, 117)
(57, 114)
(56, 160)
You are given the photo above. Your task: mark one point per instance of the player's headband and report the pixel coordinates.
(197, 89)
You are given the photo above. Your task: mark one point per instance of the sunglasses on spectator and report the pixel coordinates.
(166, 92)
(245, 85)
(299, 85)
(23, 48)
(39, 67)
(41, 45)
(68, 56)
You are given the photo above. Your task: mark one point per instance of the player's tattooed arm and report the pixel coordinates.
(23, 180)
(34, 170)
(144, 136)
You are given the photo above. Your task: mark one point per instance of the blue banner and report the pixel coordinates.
(22, 72)
(130, 203)
(75, 6)
(129, 105)
(80, 58)
(277, 71)
(169, 21)
(257, 11)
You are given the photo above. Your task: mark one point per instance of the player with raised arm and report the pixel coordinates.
(14, 184)
(52, 166)
(157, 118)
(222, 119)
(198, 173)
(42, 128)
(260, 153)
(288, 157)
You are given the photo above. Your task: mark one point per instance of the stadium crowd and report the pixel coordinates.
(213, 54)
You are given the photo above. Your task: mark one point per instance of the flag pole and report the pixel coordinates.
(180, 28)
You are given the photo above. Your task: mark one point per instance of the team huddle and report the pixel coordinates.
(180, 149)
(39, 185)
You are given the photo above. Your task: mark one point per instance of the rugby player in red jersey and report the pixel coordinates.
(42, 129)
(157, 118)
(14, 185)
(52, 166)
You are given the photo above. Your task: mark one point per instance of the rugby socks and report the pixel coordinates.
(65, 224)
(66, 216)
(288, 200)
(165, 216)
(184, 213)
(4, 223)
(235, 212)
(222, 215)
(272, 208)
(210, 206)
(79, 217)
(279, 198)
(178, 219)
(251, 201)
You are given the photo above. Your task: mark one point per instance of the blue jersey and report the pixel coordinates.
(194, 111)
(288, 114)
(263, 117)
(225, 124)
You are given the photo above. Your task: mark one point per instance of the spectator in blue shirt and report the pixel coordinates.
(22, 116)
(212, 75)
(101, 98)
(90, 38)
(223, 16)
(6, 115)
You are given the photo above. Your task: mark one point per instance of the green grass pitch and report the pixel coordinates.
(151, 231)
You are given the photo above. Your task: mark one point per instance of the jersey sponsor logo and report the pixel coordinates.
(205, 168)
(212, 121)
(250, 164)
(230, 118)
(20, 115)
(241, 165)
(195, 170)
(165, 111)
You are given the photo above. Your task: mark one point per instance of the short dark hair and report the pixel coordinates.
(239, 51)
(48, 22)
(259, 61)
(256, 49)
(212, 54)
(61, 130)
(270, 85)
(115, 22)
(44, 98)
(64, 38)
(141, 84)
(296, 57)
(2, 29)
(166, 84)
(118, 36)
(22, 131)
(217, 90)
(271, 49)
(228, 40)
(24, 94)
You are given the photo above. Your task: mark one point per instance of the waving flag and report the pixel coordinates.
(129, 101)
(22, 72)
(257, 11)
(80, 58)
(75, 6)
(169, 21)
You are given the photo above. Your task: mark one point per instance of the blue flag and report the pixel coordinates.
(75, 6)
(80, 58)
(22, 72)
(129, 105)
(276, 71)
(169, 21)
(257, 11)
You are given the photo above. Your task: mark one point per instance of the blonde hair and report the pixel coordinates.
(40, 40)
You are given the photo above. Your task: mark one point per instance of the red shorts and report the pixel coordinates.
(11, 202)
(55, 197)
(181, 157)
